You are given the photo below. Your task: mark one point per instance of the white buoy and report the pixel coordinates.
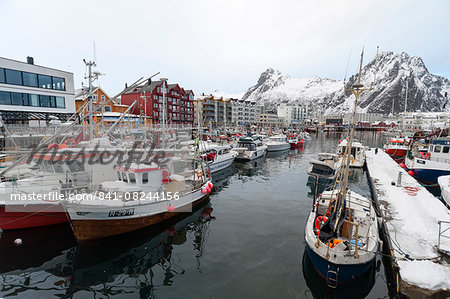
(18, 242)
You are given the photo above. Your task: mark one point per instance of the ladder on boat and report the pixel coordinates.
(332, 277)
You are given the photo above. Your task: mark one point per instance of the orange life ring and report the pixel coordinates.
(320, 220)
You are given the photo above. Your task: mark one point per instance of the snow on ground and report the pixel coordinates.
(412, 216)
(431, 275)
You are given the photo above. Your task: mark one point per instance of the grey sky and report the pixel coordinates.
(206, 45)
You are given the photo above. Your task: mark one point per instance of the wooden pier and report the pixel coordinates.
(410, 222)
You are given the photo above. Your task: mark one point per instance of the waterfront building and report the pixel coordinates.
(363, 117)
(293, 115)
(34, 92)
(265, 120)
(105, 110)
(154, 97)
(244, 112)
(212, 110)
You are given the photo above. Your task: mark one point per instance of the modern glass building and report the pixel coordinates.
(33, 92)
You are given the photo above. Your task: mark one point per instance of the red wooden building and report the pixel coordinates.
(149, 97)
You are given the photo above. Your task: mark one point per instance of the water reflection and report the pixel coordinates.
(130, 264)
(44, 261)
(359, 288)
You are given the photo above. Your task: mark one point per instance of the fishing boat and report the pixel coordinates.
(325, 167)
(295, 141)
(218, 157)
(397, 148)
(145, 193)
(249, 148)
(427, 167)
(357, 152)
(341, 231)
(277, 143)
(55, 174)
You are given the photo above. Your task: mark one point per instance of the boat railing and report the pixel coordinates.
(444, 232)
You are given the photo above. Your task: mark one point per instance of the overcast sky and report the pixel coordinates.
(206, 45)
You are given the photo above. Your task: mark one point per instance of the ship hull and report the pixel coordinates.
(346, 273)
(20, 217)
(92, 228)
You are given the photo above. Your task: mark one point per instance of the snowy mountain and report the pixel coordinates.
(273, 87)
(388, 70)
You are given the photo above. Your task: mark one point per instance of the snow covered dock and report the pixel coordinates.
(411, 214)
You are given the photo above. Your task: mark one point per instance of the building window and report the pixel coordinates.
(30, 79)
(103, 98)
(16, 98)
(34, 100)
(60, 102)
(107, 108)
(45, 81)
(5, 98)
(44, 101)
(94, 98)
(2, 75)
(13, 77)
(58, 83)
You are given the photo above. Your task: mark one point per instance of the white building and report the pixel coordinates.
(425, 120)
(244, 112)
(29, 91)
(293, 115)
(363, 117)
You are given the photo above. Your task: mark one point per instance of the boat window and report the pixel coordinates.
(144, 177)
(124, 177)
(119, 176)
(431, 148)
(445, 149)
(132, 178)
(225, 151)
(252, 147)
(437, 149)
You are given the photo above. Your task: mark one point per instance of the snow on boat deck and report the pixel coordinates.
(411, 216)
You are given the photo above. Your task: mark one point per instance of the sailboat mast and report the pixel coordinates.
(357, 90)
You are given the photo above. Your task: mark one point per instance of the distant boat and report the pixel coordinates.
(218, 157)
(397, 148)
(357, 152)
(325, 167)
(295, 141)
(277, 143)
(250, 148)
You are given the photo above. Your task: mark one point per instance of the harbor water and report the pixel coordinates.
(246, 242)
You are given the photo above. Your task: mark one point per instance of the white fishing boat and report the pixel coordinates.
(144, 194)
(325, 167)
(218, 157)
(249, 148)
(341, 232)
(357, 153)
(277, 143)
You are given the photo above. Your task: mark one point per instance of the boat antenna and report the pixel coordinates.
(348, 62)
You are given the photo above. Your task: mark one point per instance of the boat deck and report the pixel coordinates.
(411, 215)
